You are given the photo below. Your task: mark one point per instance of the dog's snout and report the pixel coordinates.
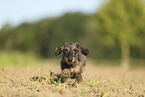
(70, 59)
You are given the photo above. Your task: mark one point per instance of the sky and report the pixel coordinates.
(15, 12)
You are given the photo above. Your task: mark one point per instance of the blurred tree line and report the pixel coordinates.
(122, 22)
(115, 31)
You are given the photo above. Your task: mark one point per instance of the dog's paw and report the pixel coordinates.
(65, 73)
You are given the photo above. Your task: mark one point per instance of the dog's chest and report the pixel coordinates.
(74, 68)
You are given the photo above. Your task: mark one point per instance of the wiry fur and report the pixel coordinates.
(73, 60)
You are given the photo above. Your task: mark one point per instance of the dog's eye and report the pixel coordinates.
(65, 50)
(76, 50)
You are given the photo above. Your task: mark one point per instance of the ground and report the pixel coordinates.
(98, 81)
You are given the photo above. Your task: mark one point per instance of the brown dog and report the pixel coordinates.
(73, 60)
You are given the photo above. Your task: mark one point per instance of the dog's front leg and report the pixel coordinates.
(65, 74)
(79, 78)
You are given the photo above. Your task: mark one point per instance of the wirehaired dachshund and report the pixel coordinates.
(73, 60)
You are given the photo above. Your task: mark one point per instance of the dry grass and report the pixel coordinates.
(100, 81)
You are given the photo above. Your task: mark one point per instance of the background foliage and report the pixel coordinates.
(102, 32)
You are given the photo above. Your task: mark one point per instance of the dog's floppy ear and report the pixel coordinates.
(83, 49)
(59, 49)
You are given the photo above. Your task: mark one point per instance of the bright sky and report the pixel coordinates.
(18, 11)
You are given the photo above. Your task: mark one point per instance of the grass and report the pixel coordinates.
(9, 58)
(99, 80)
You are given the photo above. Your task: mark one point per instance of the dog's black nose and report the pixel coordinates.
(70, 59)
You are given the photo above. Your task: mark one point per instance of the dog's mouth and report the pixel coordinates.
(70, 62)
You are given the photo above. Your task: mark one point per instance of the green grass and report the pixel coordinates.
(15, 58)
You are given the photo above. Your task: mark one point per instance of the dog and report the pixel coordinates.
(73, 60)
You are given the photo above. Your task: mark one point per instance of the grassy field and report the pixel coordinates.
(99, 81)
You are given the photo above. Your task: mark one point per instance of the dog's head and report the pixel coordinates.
(70, 51)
